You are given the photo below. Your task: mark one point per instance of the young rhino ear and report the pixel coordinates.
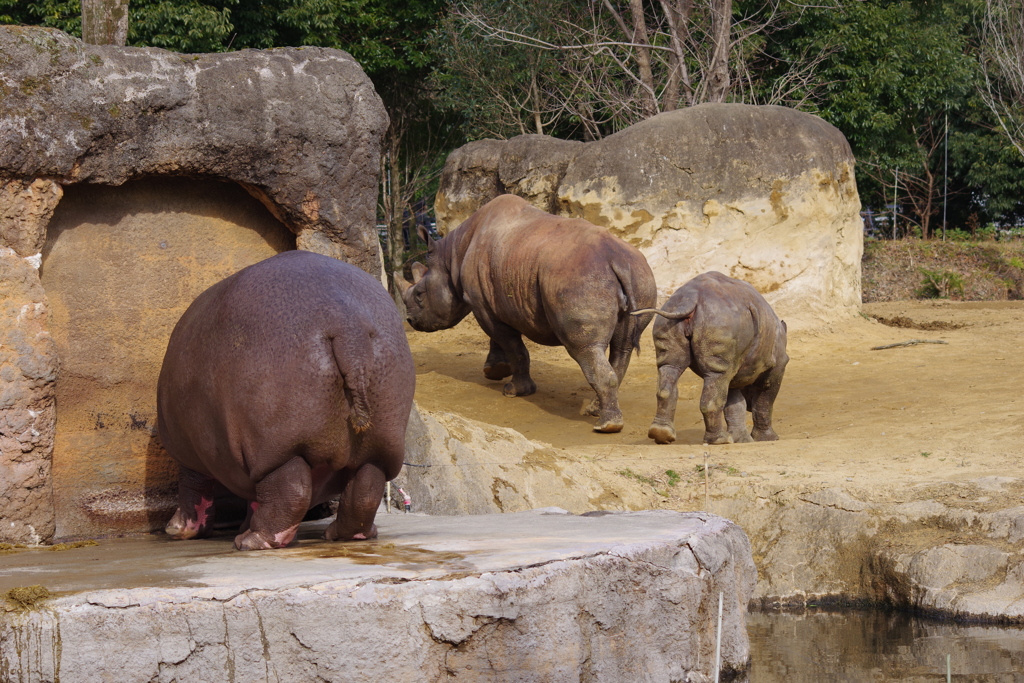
(418, 271)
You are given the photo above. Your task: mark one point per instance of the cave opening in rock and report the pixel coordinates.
(120, 266)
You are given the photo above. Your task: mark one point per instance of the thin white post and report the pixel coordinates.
(387, 493)
(718, 648)
(949, 671)
(895, 195)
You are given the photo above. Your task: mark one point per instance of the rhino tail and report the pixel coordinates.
(353, 365)
(627, 304)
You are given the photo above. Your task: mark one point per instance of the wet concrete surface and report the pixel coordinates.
(409, 546)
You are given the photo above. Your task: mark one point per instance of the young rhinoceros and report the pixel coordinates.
(288, 383)
(727, 334)
(558, 281)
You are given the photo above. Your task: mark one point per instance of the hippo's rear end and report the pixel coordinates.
(288, 383)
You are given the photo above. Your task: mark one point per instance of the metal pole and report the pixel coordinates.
(945, 179)
(718, 648)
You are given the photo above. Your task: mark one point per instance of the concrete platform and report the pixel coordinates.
(533, 596)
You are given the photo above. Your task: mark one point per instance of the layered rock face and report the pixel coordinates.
(279, 149)
(541, 596)
(761, 193)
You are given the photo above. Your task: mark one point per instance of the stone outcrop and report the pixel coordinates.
(542, 596)
(458, 466)
(925, 553)
(87, 130)
(765, 194)
(298, 127)
(28, 368)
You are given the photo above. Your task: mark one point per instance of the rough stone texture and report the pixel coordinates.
(764, 194)
(298, 127)
(458, 466)
(28, 370)
(542, 596)
(120, 266)
(933, 552)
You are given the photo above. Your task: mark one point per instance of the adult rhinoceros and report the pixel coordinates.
(558, 281)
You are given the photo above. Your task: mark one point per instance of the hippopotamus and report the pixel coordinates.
(558, 281)
(726, 332)
(287, 383)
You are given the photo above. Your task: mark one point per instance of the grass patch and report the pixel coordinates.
(76, 544)
(23, 599)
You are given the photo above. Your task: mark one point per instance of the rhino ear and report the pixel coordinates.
(421, 230)
(403, 284)
(418, 271)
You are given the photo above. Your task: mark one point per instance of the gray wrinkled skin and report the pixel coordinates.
(726, 332)
(288, 383)
(557, 281)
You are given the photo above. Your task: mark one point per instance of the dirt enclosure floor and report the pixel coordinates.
(872, 422)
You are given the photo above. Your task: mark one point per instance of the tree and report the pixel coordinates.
(591, 68)
(1002, 60)
(105, 22)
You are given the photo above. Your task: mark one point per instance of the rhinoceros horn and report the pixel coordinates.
(403, 284)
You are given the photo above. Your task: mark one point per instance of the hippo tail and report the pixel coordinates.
(354, 365)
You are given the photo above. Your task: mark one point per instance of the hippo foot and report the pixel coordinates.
(181, 528)
(741, 437)
(717, 439)
(764, 435)
(592, 409)
(661, 433)
(611, 425)
(523, 390)
(498, 371)
(332, 533)
(254, 540)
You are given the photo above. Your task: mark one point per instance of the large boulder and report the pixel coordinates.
(271, 149)
(765, 194)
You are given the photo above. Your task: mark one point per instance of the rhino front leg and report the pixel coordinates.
(496, 366)
(712, 405)
(282, 499)
(195, 513)
(602, 378)
(511, 342)
(765, 391)
(663, 428)
(736, 416)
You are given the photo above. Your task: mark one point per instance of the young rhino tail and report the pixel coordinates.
(353, 364)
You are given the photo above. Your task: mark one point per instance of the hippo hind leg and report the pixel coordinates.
(360, 498)
(736, 416)
(282, 499)
(196, 510)
(496, 366)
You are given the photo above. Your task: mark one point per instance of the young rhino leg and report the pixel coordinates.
(763, 394)
(358, 505)
(496, 366)
(712, 405)
(194, 517)
(736, 416)
(663, 429)
(282, 499)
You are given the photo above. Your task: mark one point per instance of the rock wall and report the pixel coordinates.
(298, 129)
(762, 193)
(458, 466)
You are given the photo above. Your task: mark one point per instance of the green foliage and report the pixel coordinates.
(673, 477)
(65, 15)
(940, 284)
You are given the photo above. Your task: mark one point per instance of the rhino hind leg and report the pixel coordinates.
(713, 399)
(357, 507)
(282, 499)
(736, 416)
(763, 393)
(196, 510)
(605, 382)
(663, 428)
(496, 366)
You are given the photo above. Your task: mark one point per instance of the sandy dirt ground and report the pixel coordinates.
(872, 422)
